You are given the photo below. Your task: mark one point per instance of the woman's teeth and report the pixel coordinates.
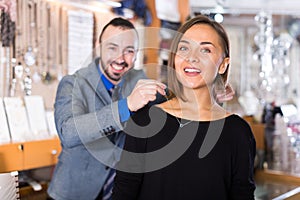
(191, 70)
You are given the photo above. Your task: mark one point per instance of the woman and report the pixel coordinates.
(189, 147)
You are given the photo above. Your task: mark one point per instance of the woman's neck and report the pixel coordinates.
(200, 98)
(199, 106)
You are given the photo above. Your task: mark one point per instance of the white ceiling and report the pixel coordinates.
(287, 7)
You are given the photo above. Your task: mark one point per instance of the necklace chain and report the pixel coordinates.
(180, 124)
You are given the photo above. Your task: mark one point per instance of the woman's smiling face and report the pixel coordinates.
(199, 57)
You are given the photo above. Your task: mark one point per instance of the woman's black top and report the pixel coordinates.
(209, 160)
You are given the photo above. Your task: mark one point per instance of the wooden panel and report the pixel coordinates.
(27, 192)
(11, 157)
(259, 134)
(277, 176)
(294, 197)
(41, 153)
(258, 130)
(286, 180)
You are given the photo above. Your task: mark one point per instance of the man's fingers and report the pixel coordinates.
(151, 87)
(161, 88)
(227, 95)
(229, 90)
(144, 92)
(149, 82)
(225, 98)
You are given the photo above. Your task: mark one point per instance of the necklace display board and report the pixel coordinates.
(80, 39)
(17, 119)
(36, 116)
(26, 119)
(51, 123)
(4, 131)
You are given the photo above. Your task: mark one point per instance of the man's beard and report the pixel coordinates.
(116, 76)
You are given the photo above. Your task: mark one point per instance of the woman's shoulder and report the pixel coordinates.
(238, 127)
(146, 113)
(236, 119)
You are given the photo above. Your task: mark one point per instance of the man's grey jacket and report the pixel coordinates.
(86, 121)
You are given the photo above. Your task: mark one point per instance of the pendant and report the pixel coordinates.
(29, 57)
(182, 125)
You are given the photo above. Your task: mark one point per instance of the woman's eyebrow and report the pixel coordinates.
(184, 41)
(204, 43)
(201, 43)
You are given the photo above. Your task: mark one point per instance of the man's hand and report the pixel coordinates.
(226, 95)
(144, 92)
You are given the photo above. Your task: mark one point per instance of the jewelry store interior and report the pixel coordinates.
(44, 40)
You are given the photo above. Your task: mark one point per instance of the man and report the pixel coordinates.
(85, 113)
(89, 115)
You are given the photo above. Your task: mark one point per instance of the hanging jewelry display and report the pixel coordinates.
(13, 79)
(13, 14)
(47, 77)
(29, 57)
(17, 88)
(41, 39)
(17, 53)
(58, 41)
(264, 39)
(274, 59)
(281, 62)
(19, 42)
(52, 48)
(64, 40)
(36, 76)
(7, 36)
(27, 82)
(17, 81)
(21, 74)
(52, 39)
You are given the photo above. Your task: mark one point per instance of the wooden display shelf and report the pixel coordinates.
(282, 179)
(277, 176)
(258, 130)
(29, 155)
(27, 192)
(271, 176)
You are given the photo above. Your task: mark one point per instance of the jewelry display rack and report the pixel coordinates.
(34, 63)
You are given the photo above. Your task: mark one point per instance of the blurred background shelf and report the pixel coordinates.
(29, 155)
(276, 185)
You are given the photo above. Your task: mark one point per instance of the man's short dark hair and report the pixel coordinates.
(117, 22)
